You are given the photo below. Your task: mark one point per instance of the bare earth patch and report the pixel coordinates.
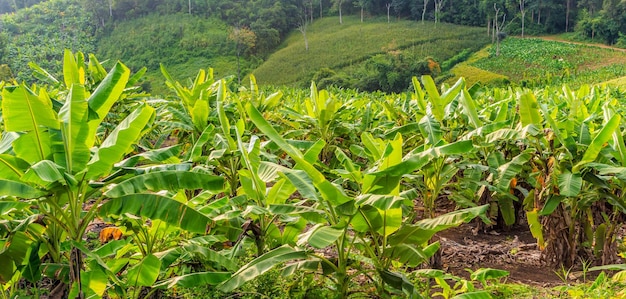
(514, 251)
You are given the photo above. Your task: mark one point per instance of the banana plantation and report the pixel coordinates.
(334, 191)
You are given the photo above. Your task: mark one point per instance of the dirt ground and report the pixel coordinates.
(514, 250)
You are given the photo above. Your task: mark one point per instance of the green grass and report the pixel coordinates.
(183, 43)
(473, 74)
(541, 62)
(342, 47)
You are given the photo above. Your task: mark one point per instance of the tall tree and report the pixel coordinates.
(244, 40)
(522, 10)
(438, 6)
(498, 27)
(338, 4)
(424, 10)
(388, 5)
(302, 28)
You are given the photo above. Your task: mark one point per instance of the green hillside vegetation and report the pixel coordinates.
(41, 32)
(475, 75)
(537, 62)
(342, 47)
(182, 43)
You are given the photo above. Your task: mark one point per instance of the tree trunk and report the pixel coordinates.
(388, 7)
(424, 10)
(523, 11)
(539, 12)
(110, 8)
(567, 10)
(321, 9)
(340, 17)
(361, 14)
(76, 262)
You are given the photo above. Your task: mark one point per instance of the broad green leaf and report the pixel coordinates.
(206, 254)
(372, 145)
(399, 282)
(200, 114)
(94, 282)
(158, 156)
(144, 273)
(13, 254)
(320, 236)
(469, 108)
(507, 210)
(280, 192)
(420, 232)
(19, 190)
(485, 274)
(9, 207)
(569, 183)
(329, 191)
(433, 96)
(388, 179)
(529, 110)
(155, 206)
(11, 167)
(599, 141)
(308, 213)
(33, 148)
(31, 270)
(109, 90)
(411, 255)
(72, 74)
(225, 125)
(261, 265)
(197, 149)
(302, 183)
(23, 111)
(42, 74)
(474, 295)
(74, 116)
(167, 180)
(551, 204)
(194, 280)
(119, 142)
(614, 267)
(44, 173)
(536, 229)
(509, 170)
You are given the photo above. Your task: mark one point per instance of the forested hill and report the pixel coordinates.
(237, 36)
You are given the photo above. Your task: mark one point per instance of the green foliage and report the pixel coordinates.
(183, 43)
(535, 62)
(344, 48)
(41, 33)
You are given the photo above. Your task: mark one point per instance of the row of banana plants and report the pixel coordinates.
(341, 185)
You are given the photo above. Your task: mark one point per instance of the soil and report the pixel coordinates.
(514, 251)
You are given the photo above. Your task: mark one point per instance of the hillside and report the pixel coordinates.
(342, 47)
(542, 62)
(40, 34)
(182, 43)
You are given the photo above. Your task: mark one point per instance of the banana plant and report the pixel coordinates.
(572, 179)
(55, 163)
(366, 232)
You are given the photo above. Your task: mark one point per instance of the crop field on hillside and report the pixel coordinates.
(339, 47)
(537, 62)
